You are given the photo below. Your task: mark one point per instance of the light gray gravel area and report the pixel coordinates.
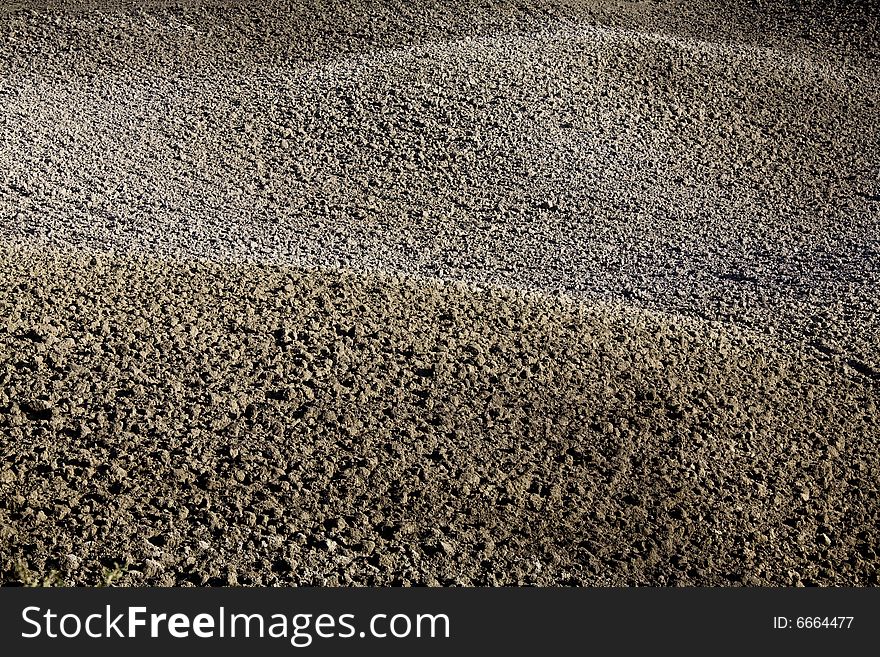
(550, 146)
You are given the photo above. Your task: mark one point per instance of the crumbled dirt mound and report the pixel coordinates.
(205, 377)
(190, 423)
(709, 159)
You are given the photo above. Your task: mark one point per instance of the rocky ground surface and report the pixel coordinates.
(458, 293)
(221, 424)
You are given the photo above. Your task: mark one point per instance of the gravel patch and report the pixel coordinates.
(440, 293)
(548, 146)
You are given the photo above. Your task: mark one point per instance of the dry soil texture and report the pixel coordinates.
(440, 293)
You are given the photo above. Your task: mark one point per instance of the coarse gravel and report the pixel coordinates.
(470, 293)
(239, 424)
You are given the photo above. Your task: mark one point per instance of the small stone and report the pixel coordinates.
(152, 568)
(336, 524)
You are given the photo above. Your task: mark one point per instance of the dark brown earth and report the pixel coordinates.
(557, 292)
(206, 424)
